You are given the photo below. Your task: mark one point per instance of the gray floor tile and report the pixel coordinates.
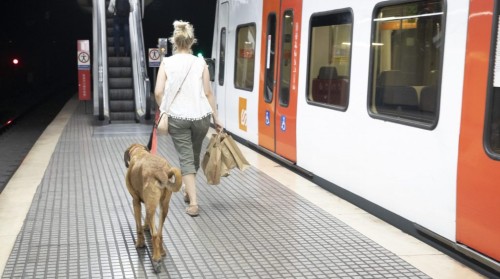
(81, 225)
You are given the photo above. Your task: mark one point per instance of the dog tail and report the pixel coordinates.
(174, 179)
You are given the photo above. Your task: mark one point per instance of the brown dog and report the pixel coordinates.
(151, 180)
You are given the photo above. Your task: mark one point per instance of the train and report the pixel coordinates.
(394, 105)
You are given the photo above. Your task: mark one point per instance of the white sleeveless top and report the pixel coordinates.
(191, 102)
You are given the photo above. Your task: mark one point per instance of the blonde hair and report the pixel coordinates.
(183, 36)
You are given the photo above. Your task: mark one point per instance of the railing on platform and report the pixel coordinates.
(142, 86)
(100, 61)
(139, 67)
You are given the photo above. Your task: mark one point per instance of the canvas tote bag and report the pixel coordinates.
(222, 154)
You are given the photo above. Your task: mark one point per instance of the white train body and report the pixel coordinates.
(403, 157)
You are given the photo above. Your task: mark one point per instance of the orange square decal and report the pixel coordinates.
(242, 117)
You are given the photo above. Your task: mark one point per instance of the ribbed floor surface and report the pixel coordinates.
(81, 223)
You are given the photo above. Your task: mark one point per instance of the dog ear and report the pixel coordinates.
(126, 157)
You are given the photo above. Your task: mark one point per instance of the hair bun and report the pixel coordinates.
(183, 36)
(179, 24)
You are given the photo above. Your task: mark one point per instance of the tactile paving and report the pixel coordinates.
(81, 224)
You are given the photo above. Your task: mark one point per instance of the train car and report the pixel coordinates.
(392, 104)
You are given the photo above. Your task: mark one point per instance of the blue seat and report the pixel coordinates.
(428, 99)
(401, 98)
(327, 72)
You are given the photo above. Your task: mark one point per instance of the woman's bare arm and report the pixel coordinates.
(211, 98)
(161, 79)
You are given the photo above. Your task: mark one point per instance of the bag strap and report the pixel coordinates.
(155, 126)
(178, 89)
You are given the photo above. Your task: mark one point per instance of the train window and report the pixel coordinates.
(330, 58)
(270, 53)
(286, 58)
(245, 57)
(222, 55)
(407, 49)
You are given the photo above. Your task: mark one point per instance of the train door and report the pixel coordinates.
(220, 80)
(281, 21)
(478, 178)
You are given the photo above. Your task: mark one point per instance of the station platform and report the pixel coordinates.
(66, 213)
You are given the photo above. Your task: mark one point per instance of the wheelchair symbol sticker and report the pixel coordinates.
(268, 118)
(283, 123)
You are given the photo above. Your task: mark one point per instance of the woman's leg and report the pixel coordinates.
(190, 183)
(198, 134)
(181, 132)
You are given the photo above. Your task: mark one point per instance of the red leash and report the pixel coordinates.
(154, 142)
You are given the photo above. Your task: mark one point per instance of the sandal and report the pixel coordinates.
(192, 210)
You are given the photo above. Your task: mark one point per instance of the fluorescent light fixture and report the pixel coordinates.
(406, 17)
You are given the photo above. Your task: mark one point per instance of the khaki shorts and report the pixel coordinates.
(188, 136)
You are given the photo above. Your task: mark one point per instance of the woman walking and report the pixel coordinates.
(189, 103)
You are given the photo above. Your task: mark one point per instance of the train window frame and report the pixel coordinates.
(237, 53)
(492, 105)
(491, 135)
(222, 55)
(412, 117)
(320, 16)
(284, 100)
(270, 74)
